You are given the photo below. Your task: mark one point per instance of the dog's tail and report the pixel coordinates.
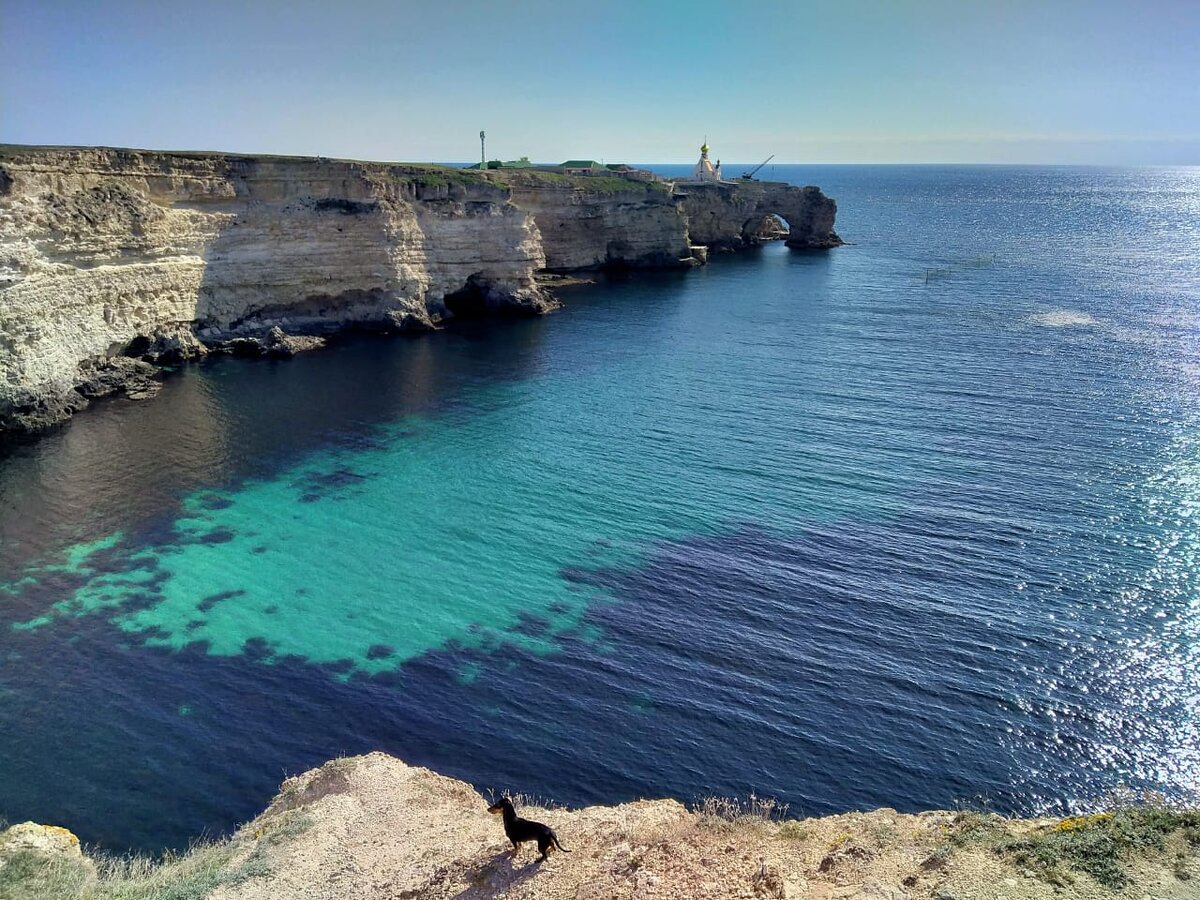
(554, 837)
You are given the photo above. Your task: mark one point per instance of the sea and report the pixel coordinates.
(912, 523)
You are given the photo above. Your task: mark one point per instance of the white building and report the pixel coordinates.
(704, 171)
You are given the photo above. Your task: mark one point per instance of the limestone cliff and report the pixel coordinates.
(590, 222)
(373, 828)
(111, 260)
(730, 215)
(101, 248)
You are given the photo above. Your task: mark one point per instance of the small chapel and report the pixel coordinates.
(704, 171)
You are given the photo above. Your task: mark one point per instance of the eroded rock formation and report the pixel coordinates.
(107, 255)
(589, 223)
(107, 252)
(730, 215)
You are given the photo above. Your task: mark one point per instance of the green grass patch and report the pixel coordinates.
(1102, 845)
(442, 176)
(549, 177)
(192, 876)
(613, 184)
(189, 876)
(598, 184)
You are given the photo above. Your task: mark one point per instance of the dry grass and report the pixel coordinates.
(191, 876)
(726, 813)
(522, 800)
(188, 876)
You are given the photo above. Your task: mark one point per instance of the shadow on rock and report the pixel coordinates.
(496, 877)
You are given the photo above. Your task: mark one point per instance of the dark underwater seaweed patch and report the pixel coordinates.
(292, 714)
(214, 502)
(316, 486)
(577, 575)
(47, 587)
(222, 534)
(213, 599)
(154, 632)
(531, 625)
(380, 651)
(256, 649)
(136, 601)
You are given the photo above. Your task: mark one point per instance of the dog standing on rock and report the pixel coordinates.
(520, 830)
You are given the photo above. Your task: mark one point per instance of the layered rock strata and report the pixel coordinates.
(109, 256)
(106, 252)
(590, 223)
(731, 216)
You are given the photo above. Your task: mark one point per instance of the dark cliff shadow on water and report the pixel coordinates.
(123, 466)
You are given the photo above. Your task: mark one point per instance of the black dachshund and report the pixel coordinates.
(519, 830)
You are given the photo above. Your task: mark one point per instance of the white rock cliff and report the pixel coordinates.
(114, 259)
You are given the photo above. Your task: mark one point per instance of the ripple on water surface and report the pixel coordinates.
(799, 524)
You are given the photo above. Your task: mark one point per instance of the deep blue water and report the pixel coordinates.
(909, 523)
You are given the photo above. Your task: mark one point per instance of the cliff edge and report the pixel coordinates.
(374, 827)
(113, 261)
(111, 255)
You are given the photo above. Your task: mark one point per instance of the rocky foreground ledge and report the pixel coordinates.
(114, 262)
(374, 827)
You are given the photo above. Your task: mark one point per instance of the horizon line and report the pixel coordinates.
(462, 163)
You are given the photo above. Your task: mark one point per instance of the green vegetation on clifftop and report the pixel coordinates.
(1102, 845)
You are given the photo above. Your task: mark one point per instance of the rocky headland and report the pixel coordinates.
(735, 215)
(114, 262)
(373, 827)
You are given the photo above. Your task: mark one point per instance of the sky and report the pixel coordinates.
(844, 81)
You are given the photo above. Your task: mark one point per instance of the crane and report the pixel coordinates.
(749, 176)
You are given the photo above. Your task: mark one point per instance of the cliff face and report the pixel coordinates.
(114, 259)
(730, 216)
(589, 222)
(101, 247)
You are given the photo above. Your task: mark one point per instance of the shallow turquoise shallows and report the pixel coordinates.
(907, 523)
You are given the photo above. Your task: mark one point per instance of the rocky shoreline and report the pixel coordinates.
(115, 262)
(373, 827)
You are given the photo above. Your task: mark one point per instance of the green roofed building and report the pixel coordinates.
(583, 167)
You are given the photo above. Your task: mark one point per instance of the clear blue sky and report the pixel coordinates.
(838, 81)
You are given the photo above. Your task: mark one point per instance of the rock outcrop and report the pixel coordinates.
(29, 842)
(730, 215)
(111, 252)
(596, 222)
(372, 827)
(164, 257)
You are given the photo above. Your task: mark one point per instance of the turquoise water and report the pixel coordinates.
(903, 524)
